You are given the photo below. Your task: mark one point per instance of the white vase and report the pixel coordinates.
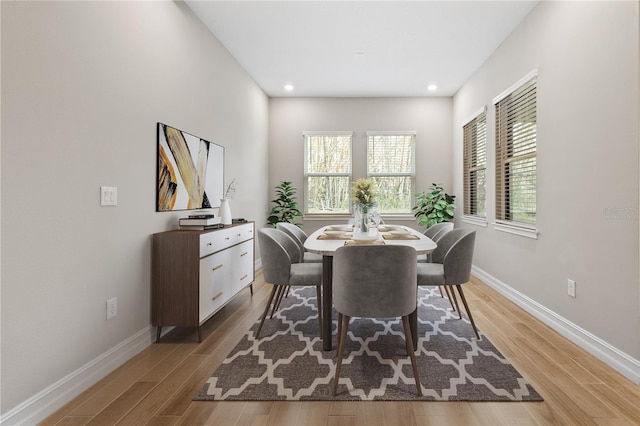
(225, 212)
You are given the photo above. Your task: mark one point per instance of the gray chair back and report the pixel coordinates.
(277, 251)
(375, 281)
(438, 229)
(298, 235)
(455, 252)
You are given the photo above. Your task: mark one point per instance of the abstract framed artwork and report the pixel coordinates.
(190, 171)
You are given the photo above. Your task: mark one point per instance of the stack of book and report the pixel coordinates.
(199, 222)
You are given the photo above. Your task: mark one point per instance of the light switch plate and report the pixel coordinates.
(108, 196)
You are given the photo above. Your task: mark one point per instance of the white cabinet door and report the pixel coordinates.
(215, 277)
(243, 265)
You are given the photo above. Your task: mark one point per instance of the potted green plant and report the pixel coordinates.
(286, 206)
(434, 206)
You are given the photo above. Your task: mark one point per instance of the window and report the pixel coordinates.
(327, 172)
(516, 154)
(391, 164)
(475, 164)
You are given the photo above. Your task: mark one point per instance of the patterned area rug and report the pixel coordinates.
(288, 363)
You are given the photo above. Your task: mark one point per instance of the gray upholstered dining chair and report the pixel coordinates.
(300, 237)
(281, 268)
(451, 266)
(384, 288)
(435, 232)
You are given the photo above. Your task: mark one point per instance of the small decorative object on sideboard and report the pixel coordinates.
(225, 210)
(200, 227)
(198, 223)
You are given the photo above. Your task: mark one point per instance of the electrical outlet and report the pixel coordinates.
(112, 307)
(108, 196)
(571, 288)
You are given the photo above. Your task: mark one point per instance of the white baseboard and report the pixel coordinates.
(615, 358)
(46, 402)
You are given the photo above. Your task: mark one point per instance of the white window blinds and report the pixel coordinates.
(516, 155)
(391, 163)
(474, 166)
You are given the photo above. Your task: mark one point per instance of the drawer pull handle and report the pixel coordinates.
(244, 254)
(216, 296)
(227, 239)
(209, 244)
(243, 277)
(217, 267)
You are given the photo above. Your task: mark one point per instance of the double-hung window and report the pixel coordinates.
(327, 172)
(391, 164)
(474, 167)
(516, 157)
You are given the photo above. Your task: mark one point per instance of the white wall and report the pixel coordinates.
(586, 54)
(429, 117)
(83, 85)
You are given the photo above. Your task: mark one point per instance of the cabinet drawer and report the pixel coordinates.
(214, 241)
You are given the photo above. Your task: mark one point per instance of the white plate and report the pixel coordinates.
(364, 237)
(400, 232)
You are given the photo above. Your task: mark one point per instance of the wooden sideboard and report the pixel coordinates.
(195, 273)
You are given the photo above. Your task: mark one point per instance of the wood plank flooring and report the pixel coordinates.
(156, 386)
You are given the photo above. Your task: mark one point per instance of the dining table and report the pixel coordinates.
(326, 240)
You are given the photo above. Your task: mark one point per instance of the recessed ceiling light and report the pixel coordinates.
(288, 87)
(432, 87)
(359, 54)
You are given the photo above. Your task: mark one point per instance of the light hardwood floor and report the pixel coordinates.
(156, 386)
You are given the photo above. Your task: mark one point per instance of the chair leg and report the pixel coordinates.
(466, 307)
(344, 319)
(319, 299)
(409, 341)
(276, 303)
(452, 295)
(448, 291)
(266, 310)
(441, 291)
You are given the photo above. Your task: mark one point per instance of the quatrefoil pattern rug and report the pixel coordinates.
(288, 363)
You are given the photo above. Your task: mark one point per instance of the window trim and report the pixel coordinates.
(513, 227)
(305, 133)
(519, 229)
(531, 74)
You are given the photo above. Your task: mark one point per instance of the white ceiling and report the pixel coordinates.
(361, 48)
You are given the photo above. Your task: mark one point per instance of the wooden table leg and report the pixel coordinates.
(327, 302)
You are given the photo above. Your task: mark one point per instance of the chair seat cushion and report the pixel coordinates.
(305, 274)
(430, 274)
(312, 257)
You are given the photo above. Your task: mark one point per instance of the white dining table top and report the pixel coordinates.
(396, 235)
